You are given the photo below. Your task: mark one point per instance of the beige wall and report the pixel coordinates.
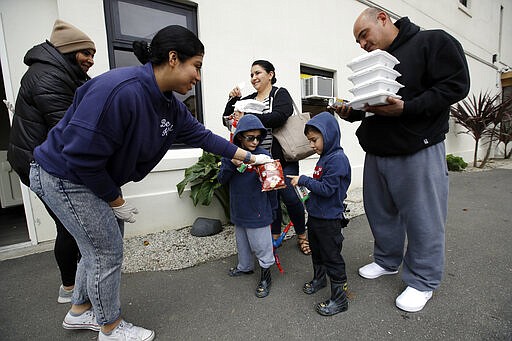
(235, 32)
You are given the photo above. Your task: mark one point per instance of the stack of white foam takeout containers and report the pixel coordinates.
(373, 79)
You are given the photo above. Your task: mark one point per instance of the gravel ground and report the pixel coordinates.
(178, 249)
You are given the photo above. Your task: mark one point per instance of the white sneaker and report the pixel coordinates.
(86, 320)
(412, 300)
(374, 270)
(127, 332)
(64, 295)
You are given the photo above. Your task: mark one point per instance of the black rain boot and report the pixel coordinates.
(263, 288)
(338, 301)
(319, 280)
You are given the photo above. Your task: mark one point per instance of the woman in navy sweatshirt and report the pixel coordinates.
(119, 126)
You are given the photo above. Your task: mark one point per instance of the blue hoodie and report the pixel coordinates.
(331, 177)
(119, 126)
(250, 207)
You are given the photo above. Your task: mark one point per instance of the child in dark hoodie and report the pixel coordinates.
(328, 188)
(252, 210)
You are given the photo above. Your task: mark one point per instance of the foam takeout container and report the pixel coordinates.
(249, 106)
(375, 57)
(371, 98)
(376, 71)
(376, 84)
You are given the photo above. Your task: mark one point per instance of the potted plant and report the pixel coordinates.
(202, 177)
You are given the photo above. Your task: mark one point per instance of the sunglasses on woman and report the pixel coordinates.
(251, 138)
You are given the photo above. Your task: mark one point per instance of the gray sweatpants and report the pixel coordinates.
(257, 241)
(407, 196)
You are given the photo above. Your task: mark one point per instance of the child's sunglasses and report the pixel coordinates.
(251, 138)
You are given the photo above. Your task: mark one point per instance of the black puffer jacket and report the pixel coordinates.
(46, 92)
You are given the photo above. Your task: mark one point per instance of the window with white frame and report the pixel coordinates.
(465, 6)
(130, 20)
(317, 87)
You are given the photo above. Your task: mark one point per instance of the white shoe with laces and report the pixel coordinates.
(413, 300)
(374, 270)
(64, 295)
(86, 320)
(127, 332)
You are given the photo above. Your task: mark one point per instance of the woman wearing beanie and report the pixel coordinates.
(56, 68)
(118, 128)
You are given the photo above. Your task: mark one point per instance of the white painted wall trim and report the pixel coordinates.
(25, 191)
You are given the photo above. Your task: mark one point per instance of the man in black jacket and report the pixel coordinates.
(56, 68)
(405, 180)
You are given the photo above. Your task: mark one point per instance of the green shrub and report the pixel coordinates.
(455, 163)
(202, 178)
(482, 117)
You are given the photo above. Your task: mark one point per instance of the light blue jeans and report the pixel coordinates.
(252, 242)
(99, 236)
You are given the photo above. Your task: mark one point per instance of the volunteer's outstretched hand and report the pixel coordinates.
(260, 159)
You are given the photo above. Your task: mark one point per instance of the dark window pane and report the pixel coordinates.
(125, 58)
(131, 16)
(130, 20)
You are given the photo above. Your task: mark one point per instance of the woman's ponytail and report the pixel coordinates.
(142, 51)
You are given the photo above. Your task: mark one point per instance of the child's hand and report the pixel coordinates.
(238, 115)
(294, 179)
(236, 162)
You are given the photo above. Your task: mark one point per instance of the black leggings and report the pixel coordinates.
(326, 240)
(66, 252)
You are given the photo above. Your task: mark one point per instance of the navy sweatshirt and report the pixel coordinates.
(249, 206)
(119, 126)
(435, 75)
(332, 174)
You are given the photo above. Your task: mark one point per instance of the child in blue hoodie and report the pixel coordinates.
(328, 188)
(252, 211)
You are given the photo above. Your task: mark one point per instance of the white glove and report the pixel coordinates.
(260, 159)
(125, 212)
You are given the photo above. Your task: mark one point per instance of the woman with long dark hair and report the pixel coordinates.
(118, 128)
(278, 107)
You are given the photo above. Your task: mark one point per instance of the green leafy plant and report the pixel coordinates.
(455, 163)
(202, 178)
(481, 116)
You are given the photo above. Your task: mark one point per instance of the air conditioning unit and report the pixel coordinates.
(317, 87)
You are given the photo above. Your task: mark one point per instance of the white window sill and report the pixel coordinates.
(178, 159)
(465, 9)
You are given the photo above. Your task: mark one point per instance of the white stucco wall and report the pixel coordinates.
(236, 32)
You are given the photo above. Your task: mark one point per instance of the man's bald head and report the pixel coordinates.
(373, 29)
